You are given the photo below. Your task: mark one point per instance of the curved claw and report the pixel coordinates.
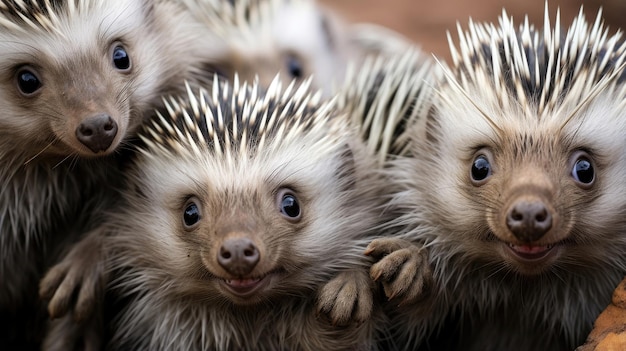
(347, 298)
(381, 247)
(402, 269)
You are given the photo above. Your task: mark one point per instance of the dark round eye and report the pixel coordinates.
(27, 81)
(294, 67)
(191, 215)
(481, 169)
(288, 205)
(121, 60)
(583, 171)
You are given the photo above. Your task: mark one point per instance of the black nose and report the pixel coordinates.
(97, 132)
(238, 256)
(529, 220)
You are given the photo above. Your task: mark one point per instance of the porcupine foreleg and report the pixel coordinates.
(75, 290)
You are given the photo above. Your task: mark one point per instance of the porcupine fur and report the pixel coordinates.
(57, 70)
(526, 122)
(228, 159)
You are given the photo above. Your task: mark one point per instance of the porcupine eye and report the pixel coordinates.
(121, 60)
(27, 82)
(481, 169)
(294, 66)
(582, 170)
(191, 214)
(288, 205)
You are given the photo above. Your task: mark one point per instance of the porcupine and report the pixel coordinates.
(76, 77)
(298, 38)
(244, 214)
(513, 190)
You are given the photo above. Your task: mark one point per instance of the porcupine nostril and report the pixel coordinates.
(238, 256)
(529, 220)
(97, 132)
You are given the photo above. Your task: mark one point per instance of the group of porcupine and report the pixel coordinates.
(261, 175)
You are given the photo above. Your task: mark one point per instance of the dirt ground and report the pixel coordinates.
(426, 21)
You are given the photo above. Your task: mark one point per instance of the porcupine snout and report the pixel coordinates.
(529, 219)
(97, 132)
(238, 256)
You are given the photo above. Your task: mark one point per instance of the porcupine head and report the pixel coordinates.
(298, 38)
(76, 75)
(247, 199)
(525, 162)
(516, 187)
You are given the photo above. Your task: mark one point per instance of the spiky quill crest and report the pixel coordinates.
(255, 119)
(28, 15)
(546, 74)
(534, 98)
(384, 95)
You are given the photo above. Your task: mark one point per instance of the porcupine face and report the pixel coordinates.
(294, 38)
(68, 76)
(528, 172)
(266, 214)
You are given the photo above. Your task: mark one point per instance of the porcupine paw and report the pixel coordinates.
(75, 283)
(402, 268)
(347, 298)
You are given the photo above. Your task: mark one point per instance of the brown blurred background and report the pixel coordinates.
(426, 21)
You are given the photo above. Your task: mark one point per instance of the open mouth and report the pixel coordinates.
(531, 252)
(244, 287)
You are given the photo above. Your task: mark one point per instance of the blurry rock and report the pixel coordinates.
(609, 332)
